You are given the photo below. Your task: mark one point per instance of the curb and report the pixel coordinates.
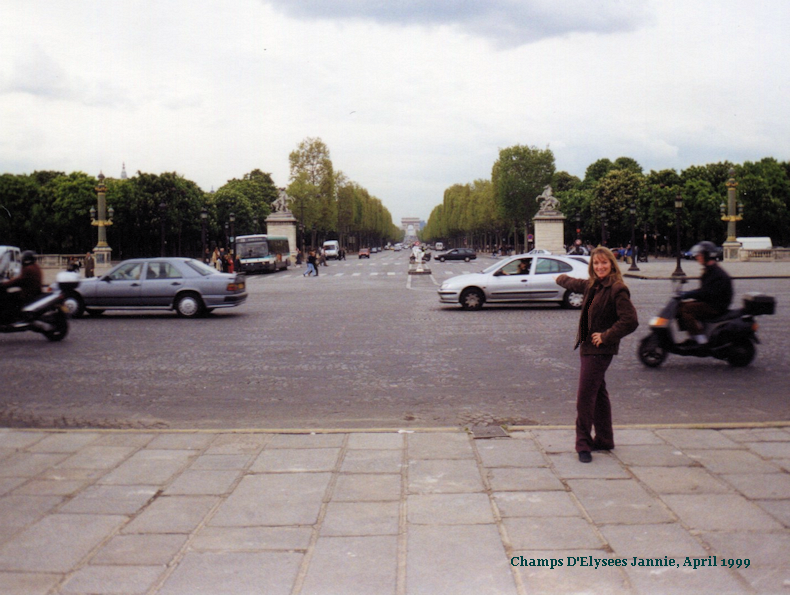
(689, 426)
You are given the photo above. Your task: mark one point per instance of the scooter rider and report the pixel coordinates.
(28, 281)
(713, 297)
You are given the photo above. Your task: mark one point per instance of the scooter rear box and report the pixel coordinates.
(758, 304)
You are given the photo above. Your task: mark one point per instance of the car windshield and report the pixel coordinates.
(201, 268)
(492, 268)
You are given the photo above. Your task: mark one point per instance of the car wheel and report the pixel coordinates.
(189, 305)
(467, 259)
(472, 299)
(441, 259)
(572, 300)
(75, 305)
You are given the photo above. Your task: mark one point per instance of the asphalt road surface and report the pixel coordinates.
(367, 345)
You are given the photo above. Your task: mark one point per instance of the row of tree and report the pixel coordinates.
(487, 213)
(49, 211)
(330, 206)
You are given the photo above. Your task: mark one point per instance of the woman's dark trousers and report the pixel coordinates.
(592, 405)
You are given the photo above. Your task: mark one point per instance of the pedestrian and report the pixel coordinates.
(322, 257)
(215, 258)
(89, 264)
(607, 316)
(298, 257)
(311, 268)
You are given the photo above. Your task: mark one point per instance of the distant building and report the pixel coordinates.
(410, 226)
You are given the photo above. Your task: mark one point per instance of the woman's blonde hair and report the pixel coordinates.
(604, 252)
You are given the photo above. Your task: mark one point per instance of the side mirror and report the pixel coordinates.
(106, 278)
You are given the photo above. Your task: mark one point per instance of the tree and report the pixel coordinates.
(313, 186)
(518, 176)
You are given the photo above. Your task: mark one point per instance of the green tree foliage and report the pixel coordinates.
(763, 188)
(329, 206)
(518, 177)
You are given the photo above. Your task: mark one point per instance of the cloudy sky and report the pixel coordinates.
(410, 96)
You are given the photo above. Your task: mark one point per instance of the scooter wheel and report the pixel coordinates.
(60, 326)
(650, 352)
(741, 354)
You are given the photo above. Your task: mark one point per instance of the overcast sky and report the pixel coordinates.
(410, 96)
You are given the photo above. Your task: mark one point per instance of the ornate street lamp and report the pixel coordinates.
(731, 216)
(678, 208)
(632, 210)
(162, 213)
(232, 233)
(578, 225)
(101, 220)
(203, 218)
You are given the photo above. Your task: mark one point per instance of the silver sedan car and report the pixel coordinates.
(185, 285)
(521, 278)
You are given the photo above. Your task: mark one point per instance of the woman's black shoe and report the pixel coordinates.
(585, 457)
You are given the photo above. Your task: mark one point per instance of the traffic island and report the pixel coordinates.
(419, 269)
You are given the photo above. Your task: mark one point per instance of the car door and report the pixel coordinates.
(511, 282)
(544, 286)
(162, 281)
(119, 289)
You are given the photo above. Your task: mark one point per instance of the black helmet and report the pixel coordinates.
(707, 249)
(28, 257)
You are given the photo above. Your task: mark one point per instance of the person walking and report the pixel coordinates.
(311, 265)
(90, 265)
(607, 316)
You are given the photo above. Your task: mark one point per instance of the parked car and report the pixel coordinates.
(185, 285)
(522, 278)
(465, 254)
(364, 252)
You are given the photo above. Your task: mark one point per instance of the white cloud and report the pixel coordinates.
(410, 97)
(505, 22)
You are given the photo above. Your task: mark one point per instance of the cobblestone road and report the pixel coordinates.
(366, 345)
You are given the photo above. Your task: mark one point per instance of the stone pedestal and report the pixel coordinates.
(103, 256)
(283, 223)
(550, 232)
(731, 251)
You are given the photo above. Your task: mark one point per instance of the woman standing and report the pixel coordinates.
(607, 316)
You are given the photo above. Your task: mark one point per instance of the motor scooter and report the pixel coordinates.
(731, 337)
(46, 314)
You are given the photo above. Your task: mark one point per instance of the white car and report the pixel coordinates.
(521, 278)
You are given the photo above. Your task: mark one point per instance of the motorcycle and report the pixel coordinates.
(731, 337)
(46, 314)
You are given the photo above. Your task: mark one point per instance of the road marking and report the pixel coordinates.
(391, 273)
(355, 274)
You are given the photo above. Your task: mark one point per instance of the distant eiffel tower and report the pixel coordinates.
(123, 171)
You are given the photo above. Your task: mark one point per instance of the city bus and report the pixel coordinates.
(262, 252)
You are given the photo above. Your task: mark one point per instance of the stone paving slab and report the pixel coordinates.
(390, 512)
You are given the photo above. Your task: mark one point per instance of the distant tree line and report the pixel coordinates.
(499, 211)
(330, 206)
(49, 211)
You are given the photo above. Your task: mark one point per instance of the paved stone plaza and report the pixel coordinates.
(167, 513)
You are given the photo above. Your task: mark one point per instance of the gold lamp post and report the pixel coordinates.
(100, 219)
(729, 214)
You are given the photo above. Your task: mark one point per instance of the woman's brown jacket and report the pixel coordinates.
(611, 313)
